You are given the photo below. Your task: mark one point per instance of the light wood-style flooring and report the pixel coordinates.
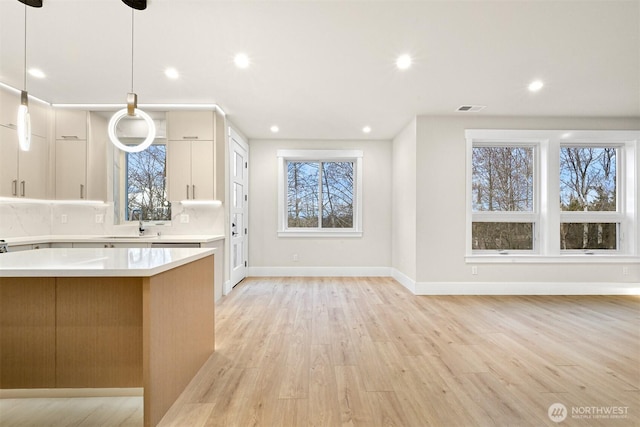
(366, 352)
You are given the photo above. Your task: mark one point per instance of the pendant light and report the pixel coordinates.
(24, 119)
(132, 109)
(32, 3)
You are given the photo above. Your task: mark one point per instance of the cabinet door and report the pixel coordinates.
(9, 102)
(71, 169)
(32, 169)
(71, 124)
(8, 162)
(39, 118)
(202, 170)
(179, 170)
(190, 125)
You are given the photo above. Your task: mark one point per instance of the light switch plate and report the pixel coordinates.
(184, 218)
(63, 218)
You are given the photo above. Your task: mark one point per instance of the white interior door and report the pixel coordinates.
(238, 215)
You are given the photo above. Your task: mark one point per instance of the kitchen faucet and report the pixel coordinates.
(140, 226)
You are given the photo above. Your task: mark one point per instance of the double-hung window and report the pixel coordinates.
(552, 193)
(503, 196)
(320, 193)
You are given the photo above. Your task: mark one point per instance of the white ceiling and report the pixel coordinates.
(325, 69)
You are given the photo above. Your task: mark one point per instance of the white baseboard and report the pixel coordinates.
(454, 288)
(226, 287)
(21, 393)
(526, 288)
(319, 271)
(404, 280)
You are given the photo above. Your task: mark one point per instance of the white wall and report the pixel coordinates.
(271, 255)
(403, 204)
(441, 211)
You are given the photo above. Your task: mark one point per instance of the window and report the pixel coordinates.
(146, 185)
(503, 197)
(552, 193)
(319, 192)
(588, 198)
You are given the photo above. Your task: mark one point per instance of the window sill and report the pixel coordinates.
(320, 234)
(551, 259)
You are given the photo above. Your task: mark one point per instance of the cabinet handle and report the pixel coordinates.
(82, 191)
(193, 193)
(14, 187)
(189, 137)
(69, 136)
(187, 191)
(22, 188)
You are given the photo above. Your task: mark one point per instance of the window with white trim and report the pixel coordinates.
(552, 193)
(319, 192)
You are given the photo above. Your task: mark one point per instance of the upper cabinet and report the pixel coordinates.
(71, 154)
(195, 155)
(190, 125)
(23, 173)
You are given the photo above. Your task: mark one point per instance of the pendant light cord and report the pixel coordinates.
(131, 50)
(24, 83)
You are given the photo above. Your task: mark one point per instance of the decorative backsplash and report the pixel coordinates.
(25, 218)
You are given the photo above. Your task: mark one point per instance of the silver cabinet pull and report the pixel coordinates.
(82, 191)
(14, 187)
(193, 193)
(187, 191)
(22, 188)
(189, 137)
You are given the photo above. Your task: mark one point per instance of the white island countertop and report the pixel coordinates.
(97, 262)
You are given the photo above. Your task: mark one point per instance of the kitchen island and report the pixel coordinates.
(107, 318)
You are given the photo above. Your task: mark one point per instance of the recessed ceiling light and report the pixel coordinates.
(171, 73)
(404, 61)
(535, 86)
(241, 60)
(39, 74)
(275, 129)
(366, 129)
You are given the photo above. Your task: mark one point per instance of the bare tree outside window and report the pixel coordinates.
(588, 183)
(320, 190)
(502, 181)
(147, 185)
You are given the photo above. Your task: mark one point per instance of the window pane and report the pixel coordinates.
(146, 185)
(337, 194)
(589, 235)
(588, 179)
(502, 236)
(502, 179)
(302, 194)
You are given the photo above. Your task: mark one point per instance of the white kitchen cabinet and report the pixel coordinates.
(190, 125)
(190, 169)
(71, 124)
(71, 154)
(71, 169)
(111, 245)
(18, 248)
(23, 173)
(38, 112)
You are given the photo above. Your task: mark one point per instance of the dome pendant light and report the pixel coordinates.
(24, 120)
(32, 3)
(131, 110)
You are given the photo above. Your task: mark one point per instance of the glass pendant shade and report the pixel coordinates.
(24, 123)
(112, 129)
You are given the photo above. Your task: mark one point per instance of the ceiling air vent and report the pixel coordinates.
(471, 108)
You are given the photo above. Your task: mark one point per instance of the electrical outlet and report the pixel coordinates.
(625, 271)
(474, 269)
(99, 218)
(295, 257)
(184, 219)
(63, 218)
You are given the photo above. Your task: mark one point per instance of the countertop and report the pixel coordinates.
(164, 238)
(97, 262)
